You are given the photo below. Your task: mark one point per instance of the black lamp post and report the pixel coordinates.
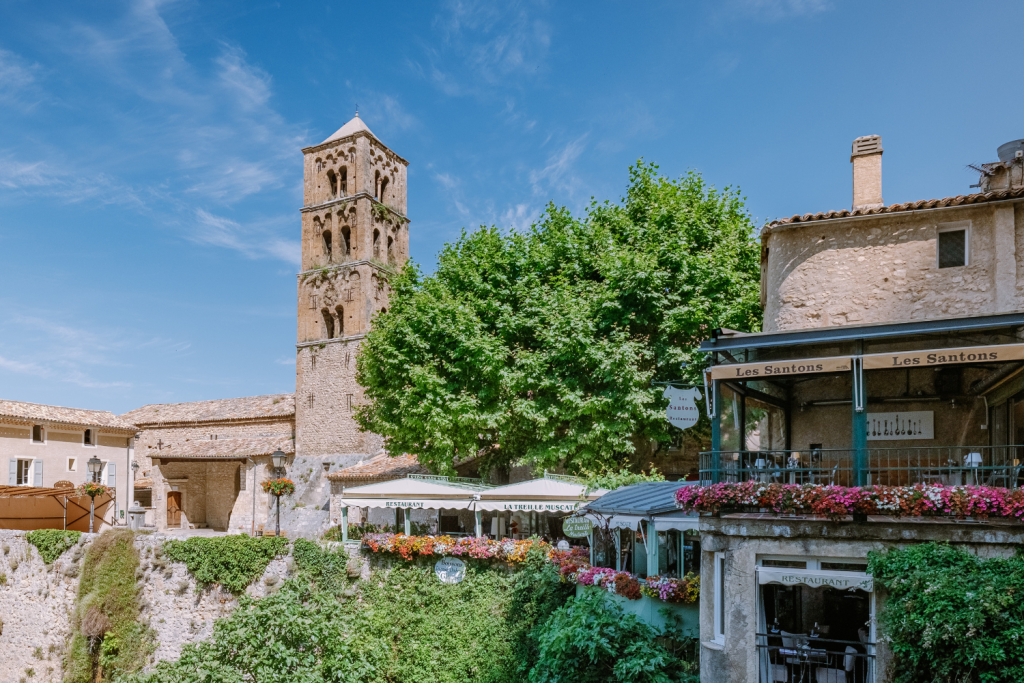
(278, 457)
(95, 467)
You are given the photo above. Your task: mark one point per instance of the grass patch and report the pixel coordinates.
(233, 562)
(107, 639)
(51, 543)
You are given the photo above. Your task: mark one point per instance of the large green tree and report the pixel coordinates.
(541, 346)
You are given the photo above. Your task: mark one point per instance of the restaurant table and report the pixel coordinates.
(805, 656)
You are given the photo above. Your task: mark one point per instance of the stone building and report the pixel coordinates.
(201, 463)
(354, 233)
(892, 354)
(44, 445)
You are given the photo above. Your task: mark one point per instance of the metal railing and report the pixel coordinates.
(464, 482)
(998, 466)
(797, 658)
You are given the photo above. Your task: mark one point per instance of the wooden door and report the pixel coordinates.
(174, 508)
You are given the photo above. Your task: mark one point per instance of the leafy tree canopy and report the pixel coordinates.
(541, 346)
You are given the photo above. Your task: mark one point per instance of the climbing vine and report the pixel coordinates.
(230, 561)
(51, 543)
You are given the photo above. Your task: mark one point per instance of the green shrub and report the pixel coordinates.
(231, 561)
(106, 629)
(327, 568)
(950, 615)
(592, 640)
(297, 635)
(51, 543)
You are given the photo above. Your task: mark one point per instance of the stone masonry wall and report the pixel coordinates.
(153, 440)
(324, 412)
(37, 603)
(884, 269)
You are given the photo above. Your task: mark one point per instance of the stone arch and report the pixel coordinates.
(384, 190)
(345, 243)
(332, 184)
(328, 246)
(376, 243)
(391, 245)
(328, 323)
(376, 184)
(343, 180)
(340, 310)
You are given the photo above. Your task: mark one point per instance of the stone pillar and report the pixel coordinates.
(1006, 258)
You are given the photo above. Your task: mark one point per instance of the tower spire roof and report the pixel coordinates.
(354, 126)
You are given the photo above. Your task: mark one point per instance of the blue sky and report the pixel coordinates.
(150, 172)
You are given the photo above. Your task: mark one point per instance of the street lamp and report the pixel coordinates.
(95, 467)
(278, 458)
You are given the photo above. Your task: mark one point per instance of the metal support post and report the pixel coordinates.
(860, 421)
(479, 523)
(716, 432)
(344, 524)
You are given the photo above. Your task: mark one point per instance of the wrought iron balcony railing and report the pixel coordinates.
(948, 465)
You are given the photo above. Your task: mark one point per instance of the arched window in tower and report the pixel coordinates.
(376, 244)
(341, 320)
(384, 190)
(328, 247)
(346, 243)
(391, 246)
(344, 181)
(328, 323)
(332, 180)
(376, 185)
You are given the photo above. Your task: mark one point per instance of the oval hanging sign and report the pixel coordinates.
(450, 570)
(682, 408)
(577, 527)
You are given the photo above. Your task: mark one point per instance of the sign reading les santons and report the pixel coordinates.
(450, 570)
(577, 527)
(782, 367)
(924, 359)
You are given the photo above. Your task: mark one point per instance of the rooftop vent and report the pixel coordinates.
(866, 158)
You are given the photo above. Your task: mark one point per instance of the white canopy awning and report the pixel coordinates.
(815, 579)
(540, 495)
(409, 493)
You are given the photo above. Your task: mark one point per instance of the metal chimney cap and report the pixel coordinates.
(1008, 151)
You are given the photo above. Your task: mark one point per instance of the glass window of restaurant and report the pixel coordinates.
(815, 624)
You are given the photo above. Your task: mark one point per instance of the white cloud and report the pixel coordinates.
(254, 242)
(519, 217)
(559, 173)
(250, 84)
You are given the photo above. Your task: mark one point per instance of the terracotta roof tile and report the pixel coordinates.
(225, 409)
(959, 200)
(38, 412)
(144, 483)
(240, 447)
(380, 468)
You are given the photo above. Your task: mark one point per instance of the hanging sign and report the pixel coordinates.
(577, 527)
(744, 371)
(682, 409)
(893, 426)
(450, 570)
(925, 359)
(816, 579)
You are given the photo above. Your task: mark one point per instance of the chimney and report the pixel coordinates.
(867, 172)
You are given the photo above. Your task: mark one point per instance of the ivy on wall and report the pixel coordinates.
(950, 615)
(231, 561)
(51, 543)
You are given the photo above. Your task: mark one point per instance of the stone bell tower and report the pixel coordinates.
(354, 232)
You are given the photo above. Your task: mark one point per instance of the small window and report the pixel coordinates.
(72, 464)
(952, 248)
(328, 324)
(341, 320)
(87, 439)
(720, 597)
(346, 242)
(328, 247)
(391, 245)
(144, 497)
(844, 566)
(344, 180)
(23, 473)
(332, 179)
(784, 564)
(383, 190)
(376, 185)
(37, 433)
(376, 244)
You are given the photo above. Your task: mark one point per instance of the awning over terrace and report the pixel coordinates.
(815, 579)
(553, 493)
(28, 507)
(414, 492)
(655, 502)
